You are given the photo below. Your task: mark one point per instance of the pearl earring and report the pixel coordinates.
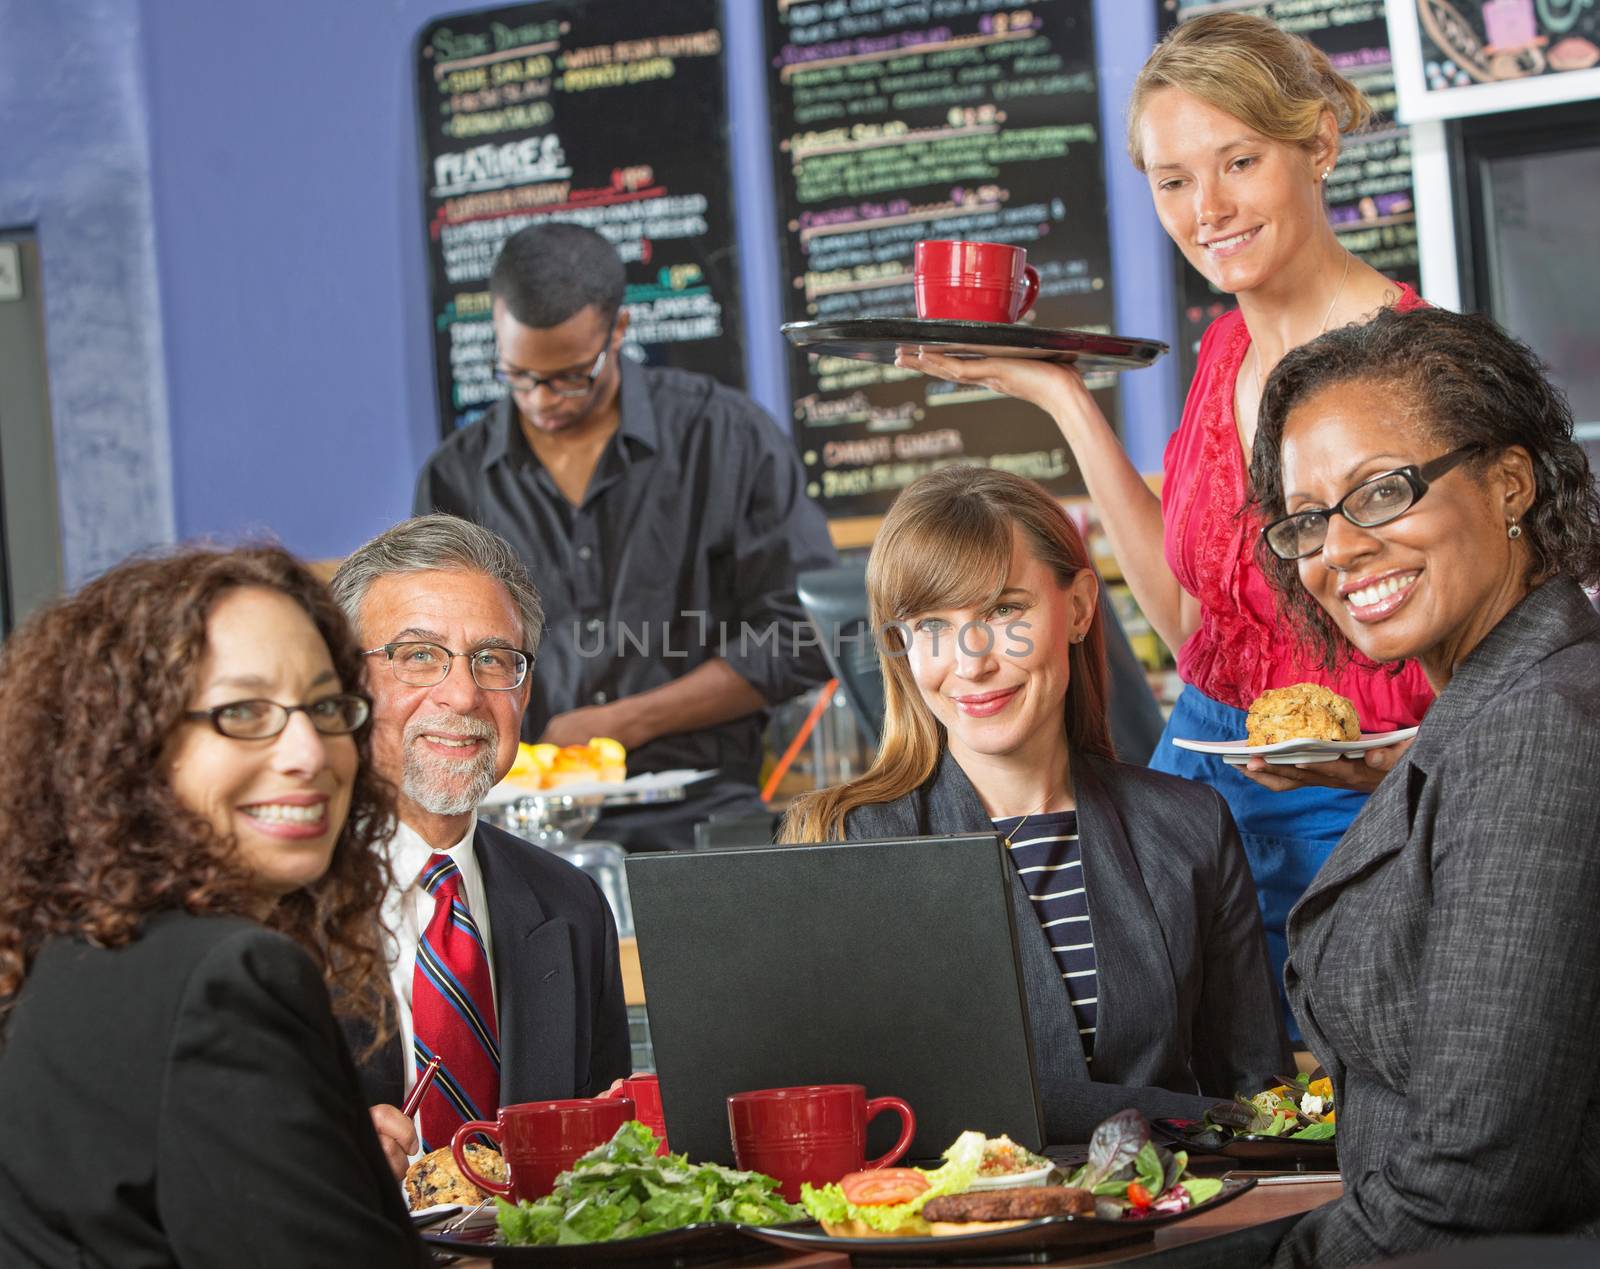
(1514, 530)
(1325, 172)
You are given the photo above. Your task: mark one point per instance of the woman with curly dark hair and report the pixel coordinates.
(187, 829)
(1424, 498)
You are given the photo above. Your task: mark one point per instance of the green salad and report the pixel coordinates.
(623, 1189)
(1132, 1177)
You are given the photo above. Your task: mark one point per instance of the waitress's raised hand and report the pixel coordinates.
(1055, 388)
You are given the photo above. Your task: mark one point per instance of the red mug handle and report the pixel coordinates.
(458, 1149)
(908, 1129)
(1031, 280)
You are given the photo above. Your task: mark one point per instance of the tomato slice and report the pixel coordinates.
(883, 1187)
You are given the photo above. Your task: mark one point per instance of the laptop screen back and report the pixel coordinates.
(890, 964)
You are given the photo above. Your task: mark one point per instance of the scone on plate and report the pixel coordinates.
(435, 1179)
(1303, 711)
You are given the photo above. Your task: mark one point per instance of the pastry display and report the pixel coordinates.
(1303, 711)
(435, 1179)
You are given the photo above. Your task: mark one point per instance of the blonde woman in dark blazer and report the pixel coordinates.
(1423, 497)
(1143, 961)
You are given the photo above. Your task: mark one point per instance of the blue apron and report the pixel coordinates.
(1286, 836)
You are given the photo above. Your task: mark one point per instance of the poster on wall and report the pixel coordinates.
(1370, 191)
(1468, 57)
(893, 124)
(612, 116)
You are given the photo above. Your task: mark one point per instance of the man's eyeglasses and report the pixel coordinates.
(494, 669)
(1383, 498)
(567, 383)
(261, 720)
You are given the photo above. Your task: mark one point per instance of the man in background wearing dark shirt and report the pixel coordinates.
(663, 518)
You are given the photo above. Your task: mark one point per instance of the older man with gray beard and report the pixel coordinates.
(502, 956)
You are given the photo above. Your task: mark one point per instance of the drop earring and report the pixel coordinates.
(1514, 530)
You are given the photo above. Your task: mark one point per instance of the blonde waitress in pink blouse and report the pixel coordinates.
(1236, 124)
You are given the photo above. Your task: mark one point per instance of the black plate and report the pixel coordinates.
(877, 338)
(1252, 1149)
(1071, 1234)
(685, 1246)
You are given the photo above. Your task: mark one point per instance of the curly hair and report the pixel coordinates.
(93, 840)
(1465, 382)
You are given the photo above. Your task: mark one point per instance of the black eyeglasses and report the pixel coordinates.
(494, 669)
(567, 383)
(261, 720)
(1383, 498)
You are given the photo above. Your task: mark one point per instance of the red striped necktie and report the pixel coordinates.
(452, 1012)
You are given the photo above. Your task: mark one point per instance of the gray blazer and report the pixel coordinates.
(1187, 1011)
(1445, 963)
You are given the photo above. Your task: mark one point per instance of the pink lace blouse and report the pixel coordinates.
(1241, 648)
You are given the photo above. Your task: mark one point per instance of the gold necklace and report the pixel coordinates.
(1255, 349)
(1018, 827)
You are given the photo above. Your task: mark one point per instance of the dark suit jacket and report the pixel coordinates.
(1187, 1006)
(563, 1023)
(1445, 963)
(187, 1099)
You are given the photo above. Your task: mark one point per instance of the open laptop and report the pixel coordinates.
(890, 964)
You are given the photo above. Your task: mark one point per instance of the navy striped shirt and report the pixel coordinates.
(1046, 854)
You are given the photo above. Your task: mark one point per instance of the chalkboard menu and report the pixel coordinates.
(612, 116)
(901, 120)
(1369, 193)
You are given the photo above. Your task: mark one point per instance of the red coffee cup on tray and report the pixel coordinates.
(645, 1090)
(540, 1140)
(815, 1132)
(973, 281)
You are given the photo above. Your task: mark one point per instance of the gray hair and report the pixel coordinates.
(424, 544)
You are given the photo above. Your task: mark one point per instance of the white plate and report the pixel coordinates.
(1288, 752)
(485, 1217)
(664, 785)
(1014, 1180)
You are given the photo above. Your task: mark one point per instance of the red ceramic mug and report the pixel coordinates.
(540, 1140)
(816, 1132)
(645, 1090)
(973, 281)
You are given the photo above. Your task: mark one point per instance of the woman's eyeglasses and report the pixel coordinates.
(1383, 498)
(261, 720)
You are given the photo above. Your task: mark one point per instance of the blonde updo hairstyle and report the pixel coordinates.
(1275, 83)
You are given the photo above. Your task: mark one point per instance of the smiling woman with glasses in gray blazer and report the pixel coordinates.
(1423, 497)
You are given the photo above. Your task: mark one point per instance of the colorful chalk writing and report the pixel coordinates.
(613, 116)
(900, 120)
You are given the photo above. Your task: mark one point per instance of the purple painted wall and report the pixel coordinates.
(280, 384)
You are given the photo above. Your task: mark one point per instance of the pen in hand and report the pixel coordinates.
(420, 1088)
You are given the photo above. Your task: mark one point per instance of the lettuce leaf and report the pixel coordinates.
(622, 1189)
(1201, 1189)
(955, 1176)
